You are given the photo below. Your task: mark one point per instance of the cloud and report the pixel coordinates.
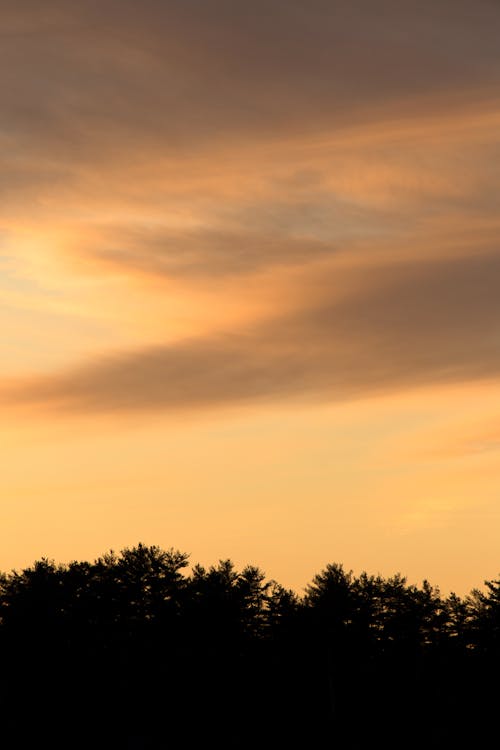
(289, 225)
(202, 253)
(86, 80)
(403, 325)
(237, 213)
(276, 132)
(206, 142)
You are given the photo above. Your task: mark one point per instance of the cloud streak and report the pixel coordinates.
(406, 325)
(208, 69)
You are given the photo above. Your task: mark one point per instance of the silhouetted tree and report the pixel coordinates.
(133, 645)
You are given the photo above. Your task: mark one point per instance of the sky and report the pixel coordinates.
(250, 283)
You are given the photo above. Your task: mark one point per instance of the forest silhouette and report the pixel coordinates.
(137, 650)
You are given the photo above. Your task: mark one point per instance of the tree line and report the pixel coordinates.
(135, 651)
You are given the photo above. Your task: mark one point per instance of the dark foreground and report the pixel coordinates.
(131, 652)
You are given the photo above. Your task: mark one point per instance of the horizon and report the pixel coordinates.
(239, 568)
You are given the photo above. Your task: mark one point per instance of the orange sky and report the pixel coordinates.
(250, 283)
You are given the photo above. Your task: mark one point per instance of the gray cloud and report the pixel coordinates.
(115, 101)
(406, 325)
(204, 253)
(88, 76)
(245, 237)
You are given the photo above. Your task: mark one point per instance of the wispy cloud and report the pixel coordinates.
(402, 326)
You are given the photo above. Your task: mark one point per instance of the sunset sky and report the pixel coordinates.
(250, 283)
